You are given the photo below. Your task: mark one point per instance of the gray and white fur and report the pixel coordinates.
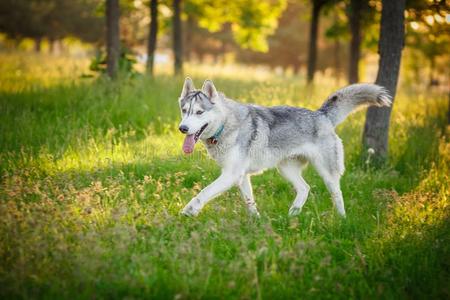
(256, 138)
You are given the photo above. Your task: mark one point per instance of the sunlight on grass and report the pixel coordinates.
(23, 72)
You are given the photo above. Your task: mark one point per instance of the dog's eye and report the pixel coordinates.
(199, 112)
(184, 111)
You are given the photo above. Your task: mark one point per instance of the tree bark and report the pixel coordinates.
(448, 110)
(432, 67)
(37, 44)
(112, 37)
(312, 50)
(392, 32)
(152, 36)
(177, 38)
(337, 55)
(355, 43)
(337, 60)
(51, 45)
(188, 34)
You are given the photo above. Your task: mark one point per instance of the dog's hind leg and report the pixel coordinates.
(333, 186)
(245, 186)
(329, 163)
(291, 171)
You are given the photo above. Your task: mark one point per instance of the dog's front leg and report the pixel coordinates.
(224, 182)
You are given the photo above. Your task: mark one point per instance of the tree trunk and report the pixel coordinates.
(448, 111)
(112, 37)
(355, 43)
(51, 45)
(337, 55)
(296, 68)
(312, 51)
(432, 81)
(152, 36)
(37, 44)
(54, 48)
(337, 60)
(177, 38)
(188, 34)
(392, 31)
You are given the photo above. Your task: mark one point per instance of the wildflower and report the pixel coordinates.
(370, 152)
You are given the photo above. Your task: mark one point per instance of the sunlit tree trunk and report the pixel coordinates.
(355, 42)
(153, 32)
(313, 30)
(112, 37)
(177, 38)
(392, 31)
(54, 46)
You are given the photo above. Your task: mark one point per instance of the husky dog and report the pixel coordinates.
(245, 139)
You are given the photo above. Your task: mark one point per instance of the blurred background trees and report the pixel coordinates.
(302, 36)
(52, 20)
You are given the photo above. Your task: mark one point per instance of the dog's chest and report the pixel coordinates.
(217, 151)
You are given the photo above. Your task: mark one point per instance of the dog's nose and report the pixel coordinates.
(183, 128)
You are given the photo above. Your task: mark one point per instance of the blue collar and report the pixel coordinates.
(214, 139)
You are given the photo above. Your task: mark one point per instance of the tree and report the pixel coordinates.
(152, 36)
(390, 46)
(177, 38)
(337, 32)
(313, 30)
(355, 42)
(112, 37)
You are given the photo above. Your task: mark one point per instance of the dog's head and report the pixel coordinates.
(199, 112)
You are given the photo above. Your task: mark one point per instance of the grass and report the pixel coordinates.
(93, 180)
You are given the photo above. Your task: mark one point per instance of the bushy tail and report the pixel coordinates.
(346, 100)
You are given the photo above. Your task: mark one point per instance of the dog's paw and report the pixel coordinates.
(294, 211)
(254, 213)
(190, 211)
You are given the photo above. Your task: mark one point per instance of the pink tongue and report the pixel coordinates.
(189, 143)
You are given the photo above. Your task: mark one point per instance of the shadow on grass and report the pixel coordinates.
(421, 150)
(415, 264)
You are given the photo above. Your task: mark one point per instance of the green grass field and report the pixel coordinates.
(93, 179)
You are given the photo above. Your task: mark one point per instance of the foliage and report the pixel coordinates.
(339, 11)
(127, 61)
(286, 34)
(252, 21)
(428, 30)
(92, 181)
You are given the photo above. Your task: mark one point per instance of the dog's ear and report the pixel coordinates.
(187, 87)
(210, 90)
